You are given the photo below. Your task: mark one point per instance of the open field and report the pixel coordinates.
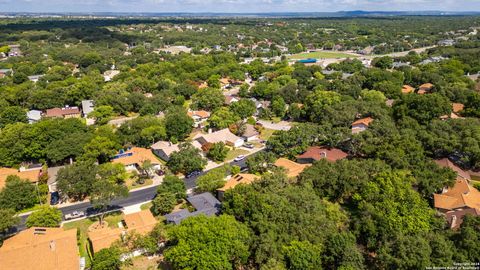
(322, 54)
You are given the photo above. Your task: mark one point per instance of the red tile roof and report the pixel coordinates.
(61, 112)
(366, 121)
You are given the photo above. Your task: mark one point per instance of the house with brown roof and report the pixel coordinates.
(199, 117)
(250, 133)
(447, 163)
(65, 112)
(461, 196)
(223, 135)
(141, 222)
(425, 88)
(41, 248)
(407, 89)
(241, 178)
(293, 169)
(164, 149)
(457, 107)
(361, 125)
(315, 153)
(134, 157)
(28, 174)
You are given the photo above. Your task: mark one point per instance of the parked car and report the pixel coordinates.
(193, 174)
(74, 214)
(54, 198)
(160, 172)
(249, 145)
(239, 158)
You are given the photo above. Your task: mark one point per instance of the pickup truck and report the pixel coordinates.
(74, 214)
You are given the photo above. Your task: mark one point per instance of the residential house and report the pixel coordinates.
(65, 112)
(241, 178)
(199, 117)
(41, 248)
(250, 133)
(446, 42)
(407, 89)
(5, 72)
(361, 125)
(457, 201)
(425, 88)
(174, 50)
(14, 50)
(110, 74)
(164, 149)
(133, 158)
(231, 99)
(315, 153)
(293, 169)
(35, 78)
(34, 116)
(446, 163)
(456, 108)
(223, 135)
(204, 203)
(87, 107)
(31, 175)
(141, 222)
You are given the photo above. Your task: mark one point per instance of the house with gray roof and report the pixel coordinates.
(34, 116)
(87, 107)
(204, 203)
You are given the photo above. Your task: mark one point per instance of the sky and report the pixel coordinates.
(234, 6)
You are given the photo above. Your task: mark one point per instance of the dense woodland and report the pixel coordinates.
(371, 211)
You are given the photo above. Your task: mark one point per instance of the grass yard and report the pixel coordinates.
(320, 55)
(131, 184)
(146, 206)
(235, 153)
(82, 225)
(142, 263)
(266, 133)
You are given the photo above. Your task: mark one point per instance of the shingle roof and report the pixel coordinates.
(366, 121)
(223, 135)
(241, 178)
(104, 237)
(204, 201)
(136, 155)
(60, 112)
(142, 222)
(42, 249)
(406, 89)
(446, 163)
(167, 147)
(317, 153)
(250, 131)
(457, 107)
(87, 106)
(31, 175)
(293, 168)
(460, 195)
(201, 114)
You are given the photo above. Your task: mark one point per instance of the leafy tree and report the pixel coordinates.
(104, 191)
(208, 99)
(76, 181)
(212, 180)
(46, 216)
(222, 118)
(373, 95)
(100, 149)
(423, 108)
(260, 162)
(12, 114)
(303, 255)
(174, 185)
(466, 240)
(243, 108)
(107, 259)
(163, 203)
(8, 219)
(384, 62)
(102, 114)
(17, 194)
(208, 243)
(317, 102)
(188, 159)
(278, 106)
(218, 152)
(177, 123)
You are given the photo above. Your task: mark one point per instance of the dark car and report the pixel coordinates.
(54, 198)
(160, 172)
(193, 174)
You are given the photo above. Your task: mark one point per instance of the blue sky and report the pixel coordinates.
(253, 6)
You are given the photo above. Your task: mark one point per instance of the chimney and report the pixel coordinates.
(454, 221)
(209, 131)
(52, 245)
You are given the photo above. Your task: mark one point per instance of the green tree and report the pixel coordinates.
(18, 194)
(260, 162)
(188, 159)
(303, 256)
(178, 123)
(373, 95)
(278, 106)
(223, 118)
(104, 191)
(107, 259)
(76, 181)
(202, 242)
(100, 149)
(317, 102)
(102, 114)
(12, 114)
(218, 152)
(46, 216)
(163, 203)
(212, 180)
(384, 62)
(208, 99)
(8, 219)
(174, 185)
(243, 108)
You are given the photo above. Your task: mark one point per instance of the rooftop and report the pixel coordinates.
(223, 135)
(31, 175)
(406, 89)
(293, 168)
(446, 163)
(135, 155)
(60, 112)
(104, 237)
(365, 121)
(319, 152)
(41, 248)
(461, 195)
(142, 222)
(241, 178)
(204, 203)
(167, 147)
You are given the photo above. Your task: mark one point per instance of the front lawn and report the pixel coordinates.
(266, 133)
(235, 153)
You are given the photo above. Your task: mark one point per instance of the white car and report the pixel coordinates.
(74, 214)
(239, 158)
